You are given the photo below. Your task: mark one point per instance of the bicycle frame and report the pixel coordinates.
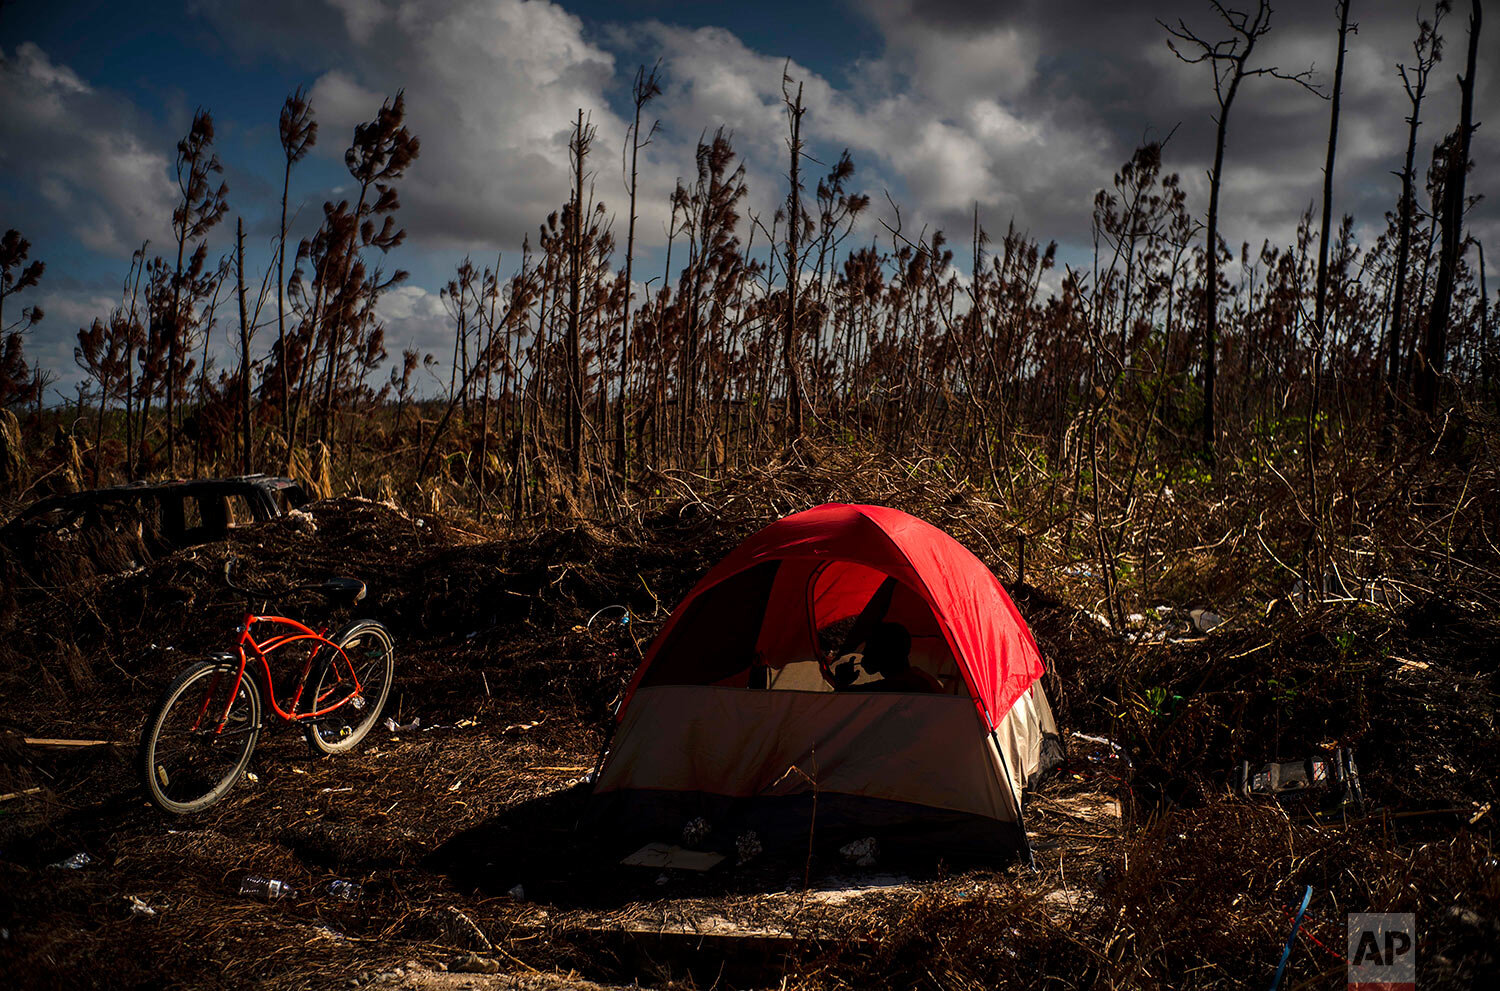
(263, 649)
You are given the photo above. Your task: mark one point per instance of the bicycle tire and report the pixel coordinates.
(183, 786)
(334, 734)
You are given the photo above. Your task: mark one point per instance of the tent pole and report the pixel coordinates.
(1010, 783)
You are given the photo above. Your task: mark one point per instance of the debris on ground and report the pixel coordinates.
(301, 521)
(1147, 862)
(473, 963)
(139, 906)
(1334, 776)
(1205, 620)
(695, 832)
(861, 853)
(674, 857)
(270, 889)
(747, 847)
(346, 891)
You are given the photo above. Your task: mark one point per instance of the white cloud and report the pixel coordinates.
(414, 318)
(491, 89)
(66, 311)
(951, 65)
(79, 149)
(340, 104)
(361, 17)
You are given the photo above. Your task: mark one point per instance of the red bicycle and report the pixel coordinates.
(201, 733)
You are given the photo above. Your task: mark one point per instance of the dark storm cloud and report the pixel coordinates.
(1104, 69)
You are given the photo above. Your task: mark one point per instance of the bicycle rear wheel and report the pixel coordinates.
(372, 653)
(198, 739)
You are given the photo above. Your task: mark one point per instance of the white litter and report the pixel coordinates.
(1205, 620)
(302, 521)
(861, 853)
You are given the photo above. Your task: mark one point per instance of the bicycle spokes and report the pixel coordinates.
(200, 737)
(352, 688)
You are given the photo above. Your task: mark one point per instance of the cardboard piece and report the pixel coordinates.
(662, 855)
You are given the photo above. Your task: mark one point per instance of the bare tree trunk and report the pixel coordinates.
(579, 151)
(131, 343)
(1320, 293)
(1428, 50)
(239, 263)
(629, 291)
(1333, 134)
(208, 329)
(1403, 249)
(789, 340)
(174, 330)
(1229, 60)
(646, 87)
(1487, 358)
(286, 410)
(1435, 349)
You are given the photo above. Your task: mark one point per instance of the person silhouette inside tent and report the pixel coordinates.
(888, 655)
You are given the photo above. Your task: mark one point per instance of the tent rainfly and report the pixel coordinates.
(749, 710)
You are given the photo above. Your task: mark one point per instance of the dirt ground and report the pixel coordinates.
(461, 832)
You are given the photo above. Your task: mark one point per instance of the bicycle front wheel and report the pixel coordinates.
(199, 737)
(368, 651)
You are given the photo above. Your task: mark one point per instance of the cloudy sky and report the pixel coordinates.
(1025, 108)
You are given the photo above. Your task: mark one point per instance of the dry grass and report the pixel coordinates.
(1186, 887)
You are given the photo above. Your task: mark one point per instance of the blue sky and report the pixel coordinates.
(1024, 109)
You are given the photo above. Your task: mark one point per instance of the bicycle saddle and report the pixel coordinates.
(349, 590)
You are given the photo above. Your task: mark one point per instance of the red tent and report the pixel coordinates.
(756, 672)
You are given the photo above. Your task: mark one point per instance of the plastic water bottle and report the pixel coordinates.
(270, 889)
(346, 891)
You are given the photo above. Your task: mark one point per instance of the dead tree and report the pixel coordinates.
(200, 209)
(794, 214)
(134, 338)
(239, 273)
(578, 148)
(1230, 60)
(299, 132)
(647, 87)
(379, 155)
(1429, 50)
(1435, 348)
(101, 353)
(1320, 294)
(17, 380)
(1487, 344)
